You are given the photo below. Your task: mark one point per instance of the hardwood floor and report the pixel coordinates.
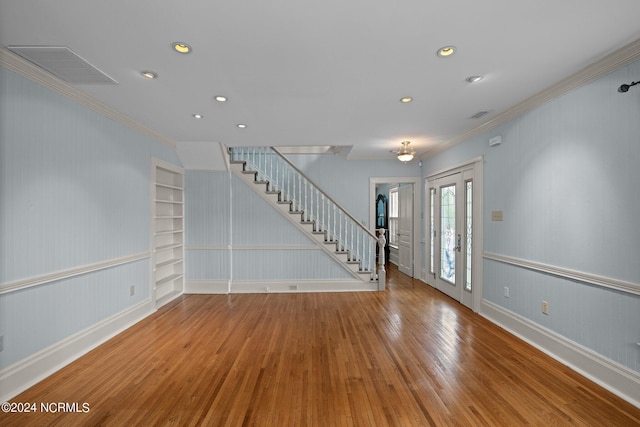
(408, 356)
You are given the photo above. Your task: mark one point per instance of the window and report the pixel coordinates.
(393, 217)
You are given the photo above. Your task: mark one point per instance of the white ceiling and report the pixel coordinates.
(331, 72)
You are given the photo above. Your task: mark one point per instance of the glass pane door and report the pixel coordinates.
(448, 241)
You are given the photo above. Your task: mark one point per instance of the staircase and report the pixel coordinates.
(288, 190)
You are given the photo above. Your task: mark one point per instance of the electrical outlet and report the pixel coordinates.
(506, 292)
(545, 307)
(132, 290)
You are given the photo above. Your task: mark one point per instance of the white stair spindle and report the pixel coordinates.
(340, 238)
(306, 208)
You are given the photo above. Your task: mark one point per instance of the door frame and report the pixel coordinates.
(417, 213)
(476, 165)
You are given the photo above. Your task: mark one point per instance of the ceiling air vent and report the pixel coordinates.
(63, 63)
(479, 114)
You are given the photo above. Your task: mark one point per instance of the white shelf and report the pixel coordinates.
(168, 232)
(168, 279)
(167, 263)
(173, 202)
(173, 187)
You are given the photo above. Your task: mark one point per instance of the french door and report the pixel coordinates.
(450, 224)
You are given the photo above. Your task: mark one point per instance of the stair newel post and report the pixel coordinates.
(382, 273)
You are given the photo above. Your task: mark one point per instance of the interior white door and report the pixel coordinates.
(405, 229)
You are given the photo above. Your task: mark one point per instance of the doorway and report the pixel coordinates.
(404, 223)
(454, 233)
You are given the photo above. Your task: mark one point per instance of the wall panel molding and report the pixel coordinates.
(565, 273)
(71, 272)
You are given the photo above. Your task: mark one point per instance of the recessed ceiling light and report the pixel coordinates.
(198, 116)
(446, 51)
(181, 47)
(406, 99)
(221, 98)
(149, 74)
(473, 79)
(241, 125)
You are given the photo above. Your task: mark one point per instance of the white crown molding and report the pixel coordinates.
(621, 57)
(36, 74)
(565, 273)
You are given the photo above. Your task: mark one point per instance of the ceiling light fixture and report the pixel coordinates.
(198, 116)
(241, 125)
(149, 74)
(181, 47)
(220, 98)
(405, 154)
(446, 51)
(473, 79)
(406, 99)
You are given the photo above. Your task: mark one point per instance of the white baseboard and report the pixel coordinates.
(605, 372)
(276, 286)
(25, 373)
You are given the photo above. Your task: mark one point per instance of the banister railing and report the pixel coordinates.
(314, 205)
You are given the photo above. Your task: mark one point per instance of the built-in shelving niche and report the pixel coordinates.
(167, 213)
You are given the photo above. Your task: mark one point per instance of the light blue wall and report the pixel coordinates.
(347, 181)
(566, 180)
(74, 190)
(222, 210)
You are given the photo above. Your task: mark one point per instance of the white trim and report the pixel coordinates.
(36, 74)
(608, 373)
(16, 378)
(71, 272)
(253, 247)
(626, 55)
(605, 282)
(276, 286)
(460, 167)
(417, 211)
(476, 165)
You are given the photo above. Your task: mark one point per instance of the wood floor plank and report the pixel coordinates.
(408, 356)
